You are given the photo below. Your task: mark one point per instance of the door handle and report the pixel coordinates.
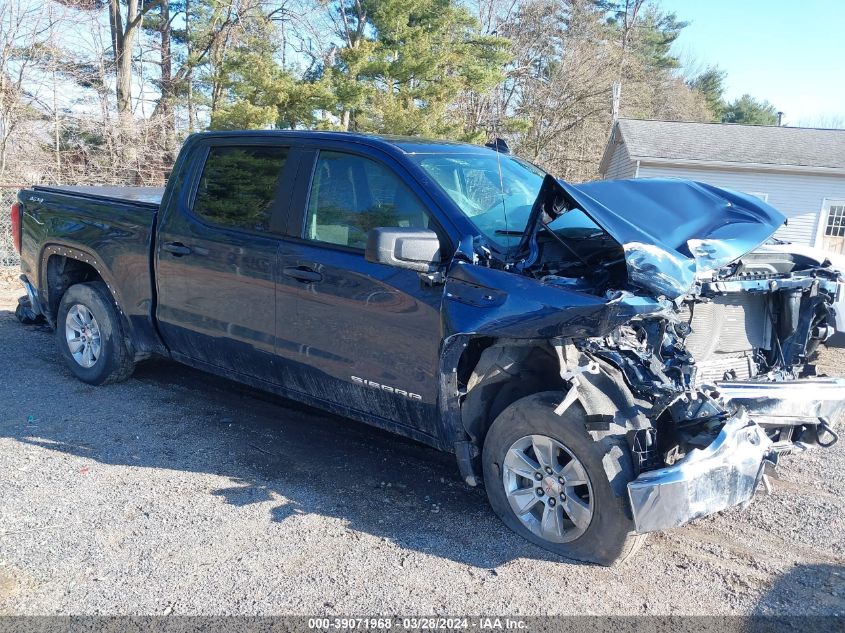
(303, 274)
(177, 249)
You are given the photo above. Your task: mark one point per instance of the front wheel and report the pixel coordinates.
(553, 484)
(90, 336)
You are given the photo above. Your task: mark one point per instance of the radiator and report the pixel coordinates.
(725, 333)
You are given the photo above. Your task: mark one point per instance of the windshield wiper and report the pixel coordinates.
(574, 238)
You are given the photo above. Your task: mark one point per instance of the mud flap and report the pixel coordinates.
(26, 314)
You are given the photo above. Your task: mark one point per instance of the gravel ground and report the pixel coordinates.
(177, 492)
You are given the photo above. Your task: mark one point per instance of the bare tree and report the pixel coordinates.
(123, 33)
(25, 29)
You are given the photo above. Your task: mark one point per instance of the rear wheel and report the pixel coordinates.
(90, 336)
(556, 486)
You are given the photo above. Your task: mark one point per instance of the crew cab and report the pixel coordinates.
(606, 359)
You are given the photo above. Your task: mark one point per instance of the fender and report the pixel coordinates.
(81, 255)
(488, 302)
(137, 324)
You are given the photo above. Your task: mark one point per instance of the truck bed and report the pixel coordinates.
(108, 228)
(145, 196)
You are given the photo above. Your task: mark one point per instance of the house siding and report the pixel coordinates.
(799, 197)
(621, 165)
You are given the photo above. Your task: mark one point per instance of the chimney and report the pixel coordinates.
(616, 98)
(780, 119)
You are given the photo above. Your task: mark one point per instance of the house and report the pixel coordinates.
(800, 171)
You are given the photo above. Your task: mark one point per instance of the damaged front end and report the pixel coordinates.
(701, 432)
(723, 474)
(717, 380)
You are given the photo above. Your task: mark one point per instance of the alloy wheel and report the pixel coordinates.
(548, 488)
(83, 335)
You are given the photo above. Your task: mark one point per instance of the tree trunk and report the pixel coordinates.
(56, 128)
(123, 37)
(167, 97)
(189, 62)
(122, 41)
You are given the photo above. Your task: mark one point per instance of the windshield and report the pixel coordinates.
(495, 192)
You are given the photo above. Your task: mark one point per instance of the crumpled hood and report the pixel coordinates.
(671, 230)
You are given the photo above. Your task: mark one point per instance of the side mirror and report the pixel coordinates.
(414, 249)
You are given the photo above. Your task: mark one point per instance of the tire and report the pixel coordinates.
(113, 360)
(607, 537)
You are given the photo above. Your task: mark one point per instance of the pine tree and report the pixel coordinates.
(710, 83)
(405, 63)
(750, 111)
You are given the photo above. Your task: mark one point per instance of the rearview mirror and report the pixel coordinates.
(414, 249)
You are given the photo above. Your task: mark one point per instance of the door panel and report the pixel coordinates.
(365, 336)
(217, 305)
(216, 264)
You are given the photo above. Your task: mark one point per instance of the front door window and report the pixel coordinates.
(350, 195)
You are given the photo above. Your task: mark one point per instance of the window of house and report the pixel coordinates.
(238, 186)
(835, 221)
(350, 195)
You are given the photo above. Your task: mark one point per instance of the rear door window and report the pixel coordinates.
(238, 186)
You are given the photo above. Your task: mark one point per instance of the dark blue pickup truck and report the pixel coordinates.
(607, 359)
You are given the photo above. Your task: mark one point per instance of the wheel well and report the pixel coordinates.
(62, 273)
(497, 373)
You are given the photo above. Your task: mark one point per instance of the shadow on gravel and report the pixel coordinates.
(816, 592)
(182, 419)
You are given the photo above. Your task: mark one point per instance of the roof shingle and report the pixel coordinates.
(733, 143)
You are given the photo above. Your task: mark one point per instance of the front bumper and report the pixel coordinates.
(787, 403)
(708, 480)
(839, 306)
(727, 472)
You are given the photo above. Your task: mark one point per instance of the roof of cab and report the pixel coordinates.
(405, 144)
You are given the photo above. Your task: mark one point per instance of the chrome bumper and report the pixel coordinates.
(708, 480)
(727, 472)
(839, 307)
(789, 402)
